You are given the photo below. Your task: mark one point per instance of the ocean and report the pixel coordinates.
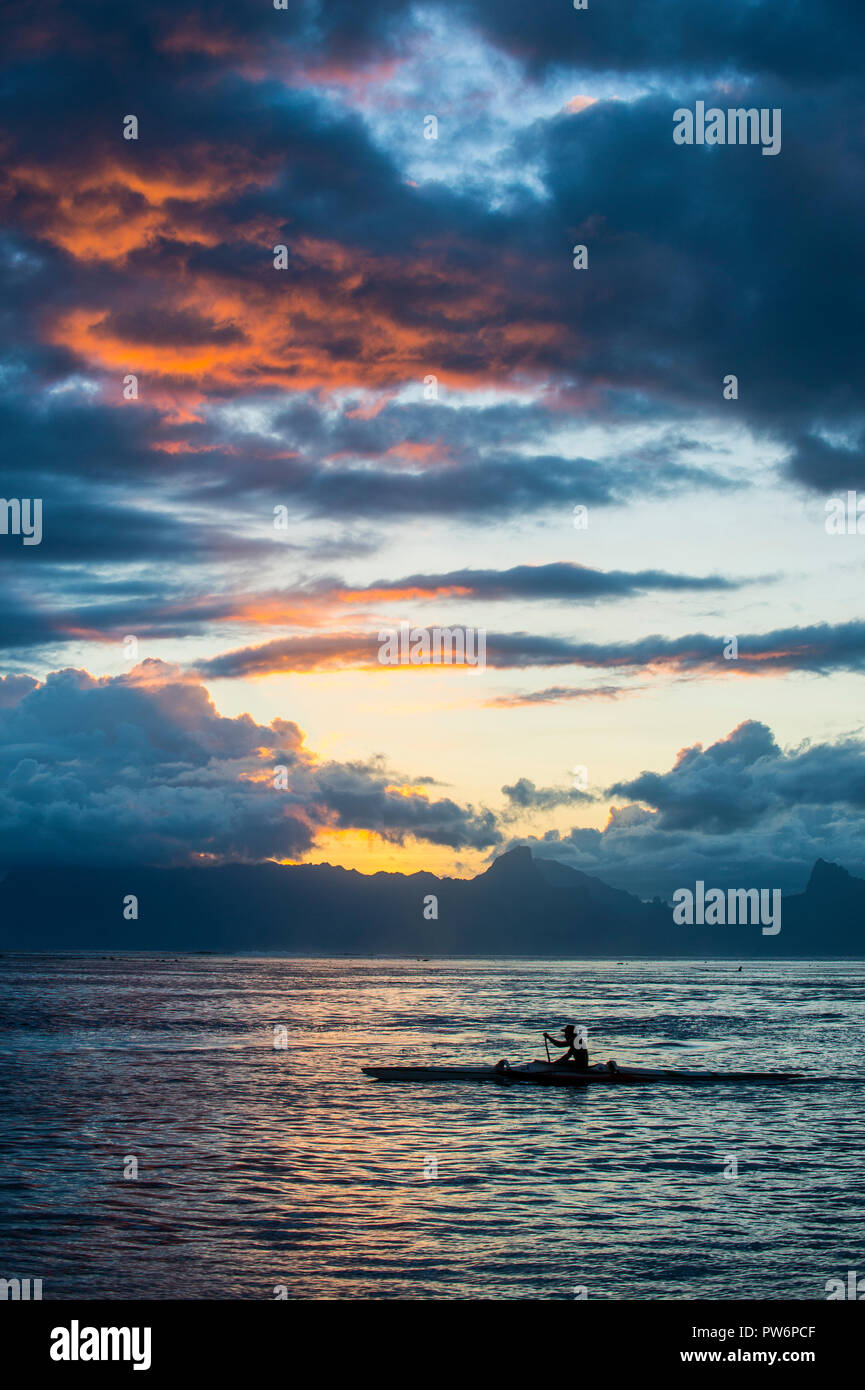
(198, 1127)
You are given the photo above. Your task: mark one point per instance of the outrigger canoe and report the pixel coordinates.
(542, 1074)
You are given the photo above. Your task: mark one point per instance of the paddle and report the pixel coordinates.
(547, 1046)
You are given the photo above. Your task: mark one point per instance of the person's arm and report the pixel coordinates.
(556, 1042)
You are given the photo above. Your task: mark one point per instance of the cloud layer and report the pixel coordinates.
(282, 303)
(742, 812)
(143, 769)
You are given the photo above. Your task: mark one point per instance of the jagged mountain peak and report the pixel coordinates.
(515, 865)
(827, 875)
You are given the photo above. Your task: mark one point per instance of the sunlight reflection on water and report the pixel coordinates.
(260, 1166)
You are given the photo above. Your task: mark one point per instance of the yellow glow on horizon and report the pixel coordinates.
(370, 853)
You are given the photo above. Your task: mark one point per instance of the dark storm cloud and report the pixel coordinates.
(702, 262)
(810, 42)
(694, 236)
(561, 694)
(102, 530)
(360, 795)
(717, 790)
(431, 459)
(739, 781)
(142, 768)
(61, 436)
(672, 234)
(819, 649)
(87, 460)
(481, 487)
(220, 34)
(163, 606)
(561, 581)
(742, 811)
(311, 652)
(525, 796)
(821, 465)
(13, 689)
(146, 326)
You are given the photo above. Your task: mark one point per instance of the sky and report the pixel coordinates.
(252, 461)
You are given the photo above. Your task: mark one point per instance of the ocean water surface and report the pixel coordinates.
(266, 1170)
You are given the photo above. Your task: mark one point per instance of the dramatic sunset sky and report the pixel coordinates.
(303, 388)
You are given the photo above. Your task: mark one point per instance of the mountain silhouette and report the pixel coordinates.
(519, 906)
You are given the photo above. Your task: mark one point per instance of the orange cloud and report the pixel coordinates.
(116, 207)
(338, 318)
(402, 594)
(181, 446)
(333, 327)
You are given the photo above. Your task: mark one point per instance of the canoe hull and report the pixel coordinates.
(537, 1074)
